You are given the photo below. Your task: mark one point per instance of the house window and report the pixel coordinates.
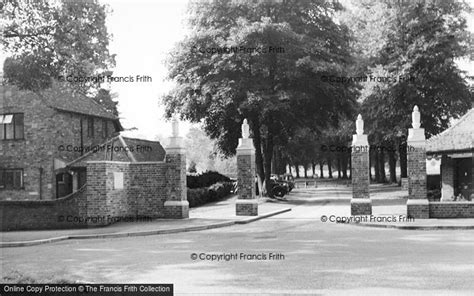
(90, 127)
(105, 128)
(11, 126)
(11, 178)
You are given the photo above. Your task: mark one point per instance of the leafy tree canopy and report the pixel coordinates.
(277, 91)
(424, 40)
(48, 39)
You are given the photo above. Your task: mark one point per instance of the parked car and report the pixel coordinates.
(279, 188)
(285, 180)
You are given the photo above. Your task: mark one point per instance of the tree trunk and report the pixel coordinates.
(376, 166)
(383, 178)
(329, 167)
(274, 163)
(321, 167)
(297, 169)
(289, 168)
(258, 155)
(370, 165)
(403, 159)
(344, 166)
(338, 164)
(313, 165)
(278, 163)
(392, 162)
(350, 167)
(267, 156)
(305, 171)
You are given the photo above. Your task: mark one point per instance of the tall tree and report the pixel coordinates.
(420, 43)
(273, 77)
(48, 40)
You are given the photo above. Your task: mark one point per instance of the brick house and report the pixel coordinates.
(455, 147)
(64, 164)
(40, 133)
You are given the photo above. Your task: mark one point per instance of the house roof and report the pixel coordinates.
(146, 150)
(63, 100)
(459, 137)
(122, 149)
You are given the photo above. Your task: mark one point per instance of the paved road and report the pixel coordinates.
(319, 258)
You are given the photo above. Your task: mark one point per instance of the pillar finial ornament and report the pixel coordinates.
(359, 125)
(415, 117)
(175, 126)
(245, 129)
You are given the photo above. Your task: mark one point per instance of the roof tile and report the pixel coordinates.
(460, 136)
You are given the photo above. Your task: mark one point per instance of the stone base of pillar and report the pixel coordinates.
(244, 207)
(418, 208)
(176, 209)
(361, 206)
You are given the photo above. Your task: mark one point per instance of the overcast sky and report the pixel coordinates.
(143, 33)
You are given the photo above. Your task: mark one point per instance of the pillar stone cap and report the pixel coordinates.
(360, 140)
(247, 201)
(416, 134)
(418, 201)
(175, 142)
(361, 200)
(245, 144)
(175, 150)
(176, 203)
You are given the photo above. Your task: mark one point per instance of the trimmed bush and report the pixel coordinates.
(205, 179)
(215, 192)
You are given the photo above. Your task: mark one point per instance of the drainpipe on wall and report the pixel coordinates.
(41, 183)
(82, 136)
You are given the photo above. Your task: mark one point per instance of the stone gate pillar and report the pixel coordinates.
(360, 202)
(176, 204)
(246, 204)
(417, 204)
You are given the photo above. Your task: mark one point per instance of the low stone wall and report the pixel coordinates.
(148, 189)
(455, 209)
(115, 191)
(44, 214)
(141, 192)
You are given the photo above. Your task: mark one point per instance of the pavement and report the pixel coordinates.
(213, 215)
(388, 201)
(388, 208)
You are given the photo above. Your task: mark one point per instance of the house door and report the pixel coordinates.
(463, 181)
(63, 184)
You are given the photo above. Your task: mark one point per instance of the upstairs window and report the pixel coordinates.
(105, 128)
(11, 178)
(11, 126)
(90, 127)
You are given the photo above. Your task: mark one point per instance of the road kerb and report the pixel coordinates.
(263, 216)
(140, 233)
